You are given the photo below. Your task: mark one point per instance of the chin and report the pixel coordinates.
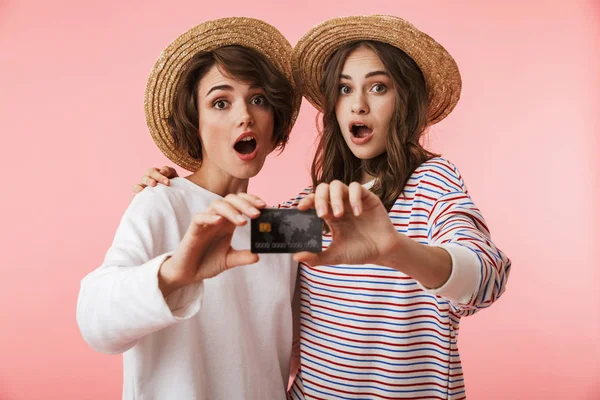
(244, 174)
(248, 171)
(364, 154)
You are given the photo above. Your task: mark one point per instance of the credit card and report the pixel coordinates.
(281, 230)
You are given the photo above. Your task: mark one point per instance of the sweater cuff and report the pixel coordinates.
(464, 279)
(185, 302)
(182, 304)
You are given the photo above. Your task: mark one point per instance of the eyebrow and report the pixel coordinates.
(369, 75)
(229, 88)
(220, 87)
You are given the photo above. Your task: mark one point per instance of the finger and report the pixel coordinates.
(316, 259)
(242, 205)
(322, 200)
(307, 202)
(240, 257)
(155, 174)
(137, 188)
(151, 171)
(169, 172)
(338, 193)
(306, 257)
(326, 257)
(229, 212)
(203, 221)
(146, 180)
(355, 195)
(257, 201)
(206, 219)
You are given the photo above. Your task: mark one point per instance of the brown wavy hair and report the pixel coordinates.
(239, 63)
(403, 153)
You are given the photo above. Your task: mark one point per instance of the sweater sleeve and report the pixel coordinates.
(120, 302)
(293, 201)
(479, 269)
(295, 359)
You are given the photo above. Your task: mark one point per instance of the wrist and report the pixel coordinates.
(168, 282)
(438, 263)
(394, 253)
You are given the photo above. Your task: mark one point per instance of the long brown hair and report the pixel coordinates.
(403, 153)
(240, 63)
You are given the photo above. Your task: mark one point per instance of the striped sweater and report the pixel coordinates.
(371, 332)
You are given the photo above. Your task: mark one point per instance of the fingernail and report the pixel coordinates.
(254, 211)
(166, 181)
(320, 211)
(260, 203)
(239, 218)
(337, 210)
(356, 211)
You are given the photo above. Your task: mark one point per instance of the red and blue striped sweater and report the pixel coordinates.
(371, 332)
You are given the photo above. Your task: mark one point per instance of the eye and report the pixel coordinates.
(345, 89)
(379, 88)
(259, 100)
(220, 104)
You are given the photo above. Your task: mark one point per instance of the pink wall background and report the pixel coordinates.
(524, 135)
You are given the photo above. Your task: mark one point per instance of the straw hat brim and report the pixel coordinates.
(441, 73)
(162, 83)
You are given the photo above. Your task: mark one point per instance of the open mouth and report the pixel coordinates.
(246, 145)
(360, 130)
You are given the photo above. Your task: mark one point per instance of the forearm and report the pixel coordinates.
(168, 281)
(449, 270)
(430, 266)
(480, 269)
(118, 305)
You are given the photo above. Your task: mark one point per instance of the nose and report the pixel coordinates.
(245, 118)
(359, 104)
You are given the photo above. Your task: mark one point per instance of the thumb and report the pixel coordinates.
(240, 257)
(309, 258)
(327, 257)
(168, 172)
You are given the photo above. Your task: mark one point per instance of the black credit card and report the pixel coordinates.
(283, 230)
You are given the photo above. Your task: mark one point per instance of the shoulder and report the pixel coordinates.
(438, 174)
(293, 201)
(161, 199)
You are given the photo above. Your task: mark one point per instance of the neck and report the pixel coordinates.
(366, 178)
(218, 181)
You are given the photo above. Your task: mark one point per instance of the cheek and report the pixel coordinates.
(385, 112)
(339, 111)
(265, 119)
(390, 107)
(210, 130)
(205, 122)
(270, 118)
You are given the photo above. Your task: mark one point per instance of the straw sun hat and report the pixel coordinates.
(160, 89)
(439, 68)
